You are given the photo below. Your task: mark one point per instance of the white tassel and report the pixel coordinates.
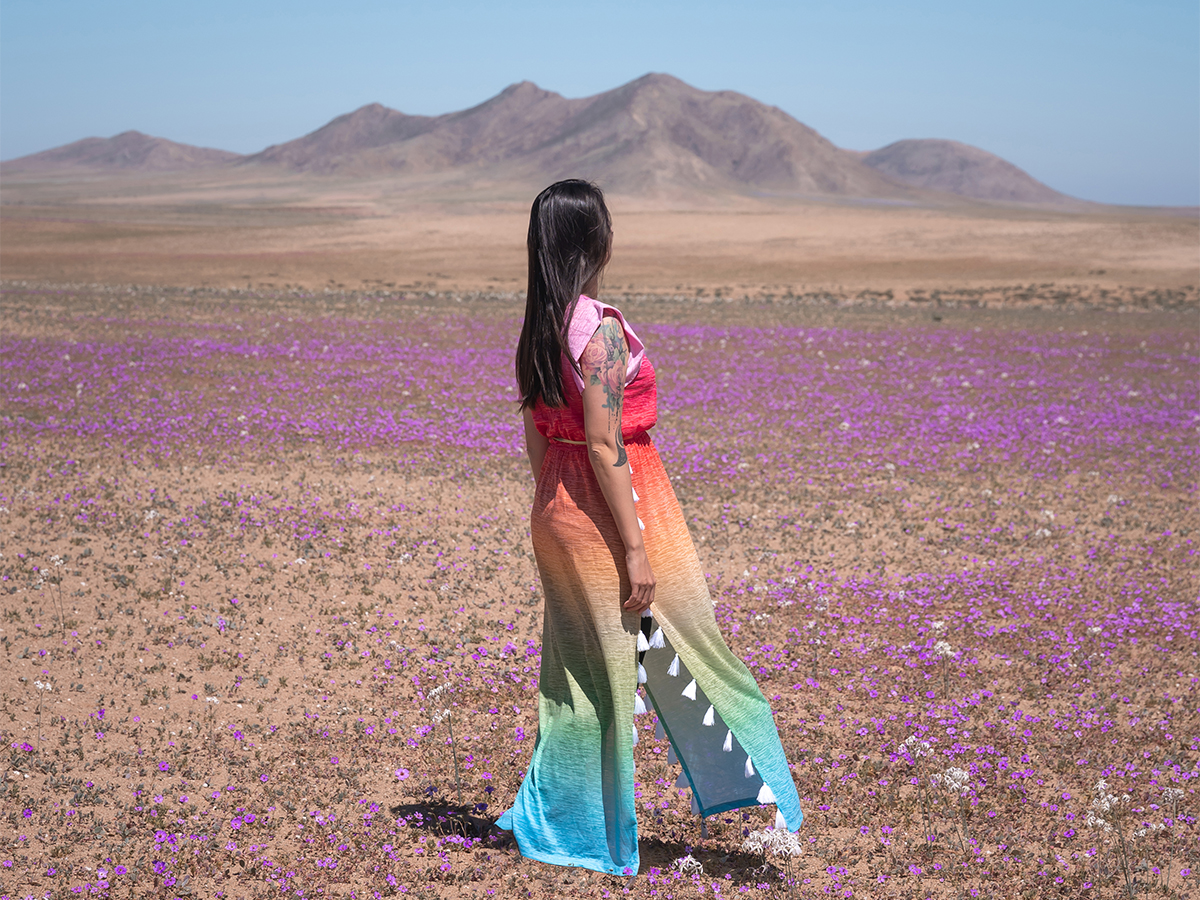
(660, 733)
(656, 640)
(671, 757)
(690, 690)
(636, 498)
(780, 821)
(695, 805)
(635, 737)
(681, 781)
(642, 525)
(643, 644)
(708, 716)
(673, 670)
(630, 468)
(728, 745)
(749, 768)
(646, 614)
(641, 674)
(766, 795)
(639, 705)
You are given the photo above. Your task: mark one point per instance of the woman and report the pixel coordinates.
(626, 600)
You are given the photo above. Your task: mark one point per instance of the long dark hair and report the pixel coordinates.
(570, 239)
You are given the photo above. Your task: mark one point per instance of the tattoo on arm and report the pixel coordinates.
(621, 457)
(604, 362)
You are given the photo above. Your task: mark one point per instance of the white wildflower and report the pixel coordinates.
(916, 747)
(943, 649)
(436, 715)
(779, 841)
(954, 780)
(938, 625)
(689, 863)
(1105, 808)
(43, 685)
(1149, 829)
(756, 842)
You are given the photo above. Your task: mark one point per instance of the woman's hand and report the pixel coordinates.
(641, 580)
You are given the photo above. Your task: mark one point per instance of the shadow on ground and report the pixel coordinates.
(447, 818)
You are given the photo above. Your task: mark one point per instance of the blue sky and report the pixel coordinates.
(1098, 99)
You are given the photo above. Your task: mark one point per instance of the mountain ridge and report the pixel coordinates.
(655, 135)
(957, 168)
(129, 150)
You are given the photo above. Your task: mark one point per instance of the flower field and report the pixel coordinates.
(270, 619)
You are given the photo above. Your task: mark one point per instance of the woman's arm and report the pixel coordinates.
(604, 361)
(536, 444)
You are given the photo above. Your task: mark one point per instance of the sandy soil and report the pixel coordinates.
(344, 234)
(247, 538)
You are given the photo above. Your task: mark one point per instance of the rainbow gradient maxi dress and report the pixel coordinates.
(576, 804)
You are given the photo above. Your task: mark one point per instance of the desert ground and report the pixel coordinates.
(284, 232)
(271, 622)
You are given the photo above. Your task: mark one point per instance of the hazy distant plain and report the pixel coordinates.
(297, 232)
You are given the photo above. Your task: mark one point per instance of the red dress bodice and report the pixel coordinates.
(639, 412)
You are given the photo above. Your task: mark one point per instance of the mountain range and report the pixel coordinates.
(653, 136)
(127, 151)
